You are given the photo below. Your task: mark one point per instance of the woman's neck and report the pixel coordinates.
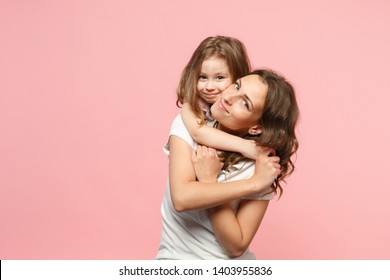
(227, 130)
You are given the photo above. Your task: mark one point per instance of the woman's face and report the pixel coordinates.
(240, 106)
(214, 77)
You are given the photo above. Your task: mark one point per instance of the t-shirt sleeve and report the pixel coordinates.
(179, 129)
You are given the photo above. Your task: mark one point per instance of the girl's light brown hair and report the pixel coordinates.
(228, 48)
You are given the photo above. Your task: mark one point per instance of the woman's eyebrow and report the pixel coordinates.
(248, 99)
(245, 95)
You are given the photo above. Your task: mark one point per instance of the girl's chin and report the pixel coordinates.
(210, 99)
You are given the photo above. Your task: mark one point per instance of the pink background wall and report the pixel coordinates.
(87, 94)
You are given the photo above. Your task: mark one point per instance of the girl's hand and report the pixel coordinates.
(267, 169)
(206, 163)
(250, 149)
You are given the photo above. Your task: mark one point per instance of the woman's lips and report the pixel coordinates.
(221, 106)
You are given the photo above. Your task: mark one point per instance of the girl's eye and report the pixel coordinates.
(202, 78)
(246, 104)
(236, 86)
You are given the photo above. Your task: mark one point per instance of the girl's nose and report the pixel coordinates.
(210, 86)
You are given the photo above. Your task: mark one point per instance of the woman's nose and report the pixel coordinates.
(229, 98)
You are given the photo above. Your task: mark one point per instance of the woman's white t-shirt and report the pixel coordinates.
(189, 234)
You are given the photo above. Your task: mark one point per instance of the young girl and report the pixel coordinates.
(216, 63)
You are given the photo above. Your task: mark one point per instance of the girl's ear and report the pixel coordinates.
(255, 130)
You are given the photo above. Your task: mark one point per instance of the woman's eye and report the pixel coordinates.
(236, 86)
(246, 104)
(220, 77)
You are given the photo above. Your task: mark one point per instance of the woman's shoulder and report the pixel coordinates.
(179, 129)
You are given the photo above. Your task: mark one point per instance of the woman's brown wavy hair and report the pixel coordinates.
(278, 121)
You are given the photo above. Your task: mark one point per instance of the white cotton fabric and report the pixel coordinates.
(189, 235)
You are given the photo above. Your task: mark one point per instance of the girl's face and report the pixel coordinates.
(214, 77)
(240, 106)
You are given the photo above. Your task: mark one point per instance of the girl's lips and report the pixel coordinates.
(211, 97)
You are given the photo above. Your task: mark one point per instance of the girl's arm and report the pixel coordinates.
(188, 194)
(235, 232)
(215, 138)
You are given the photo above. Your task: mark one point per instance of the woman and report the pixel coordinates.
(260, 106)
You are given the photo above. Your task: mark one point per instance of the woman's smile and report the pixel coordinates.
(221, 106)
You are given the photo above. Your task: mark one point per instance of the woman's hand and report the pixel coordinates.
(206, 163)
(267, 169)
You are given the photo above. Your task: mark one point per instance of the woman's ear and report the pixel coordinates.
(255, 130)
